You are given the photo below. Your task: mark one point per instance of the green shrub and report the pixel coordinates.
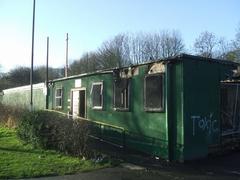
(29, 128)
(52, 130)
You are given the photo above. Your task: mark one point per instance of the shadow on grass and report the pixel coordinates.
(2, 137)
(31, 151)
(6, 135)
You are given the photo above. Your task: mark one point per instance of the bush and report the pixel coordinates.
(52, 130)
(9, 115)
(29, 128)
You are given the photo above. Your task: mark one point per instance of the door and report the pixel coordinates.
(75, 103)
(82, 102)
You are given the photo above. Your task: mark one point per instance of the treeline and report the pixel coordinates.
(127, 49)
(20, 76)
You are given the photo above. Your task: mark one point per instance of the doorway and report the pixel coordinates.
(79, 103)
(82, 102)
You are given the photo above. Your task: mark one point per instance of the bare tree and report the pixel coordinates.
(87, 63)
(205, 44)
(234, 53)
(142, 47)
(171, 44)
(126, 49)
(115, 52)
(164, 44)
(222, 49)
(151, 47)
(137, 43)
(236, 41)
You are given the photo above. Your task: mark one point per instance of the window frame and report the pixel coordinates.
(128, 95)
(102, 95)
(59, 97)
(161, 109)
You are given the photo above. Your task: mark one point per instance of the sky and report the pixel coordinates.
(91, 22)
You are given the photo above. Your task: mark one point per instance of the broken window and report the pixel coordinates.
(153, 92)
(58, 97)
(97, 95)
(121, 94)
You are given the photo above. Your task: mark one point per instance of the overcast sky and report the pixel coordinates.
(90, 22)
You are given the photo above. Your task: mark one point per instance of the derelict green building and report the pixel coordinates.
(168, 108)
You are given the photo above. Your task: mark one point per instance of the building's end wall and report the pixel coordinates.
(20, 96)
(202, 106)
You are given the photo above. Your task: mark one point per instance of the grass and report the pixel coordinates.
(19, 160)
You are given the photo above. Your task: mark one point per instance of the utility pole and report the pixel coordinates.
(31, 72)
(66, 66)
(47, 60)
(47, 73)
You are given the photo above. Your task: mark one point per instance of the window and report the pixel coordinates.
(121, 94)
(58, 97)
(153, 92)
(97, 95)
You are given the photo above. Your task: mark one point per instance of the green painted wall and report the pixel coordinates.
(190, 122)
(146, 131)
(202, 106)
(175, 110)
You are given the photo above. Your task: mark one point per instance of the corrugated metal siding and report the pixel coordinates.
(20, 96)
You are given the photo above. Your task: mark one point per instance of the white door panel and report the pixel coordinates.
(75, 103)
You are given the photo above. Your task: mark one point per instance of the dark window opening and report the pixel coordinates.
(97, 95)
(153, 92)
(121, 94)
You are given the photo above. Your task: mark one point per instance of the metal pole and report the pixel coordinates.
(66, 67)
(47, 61)
(47, 73)
(31, 72)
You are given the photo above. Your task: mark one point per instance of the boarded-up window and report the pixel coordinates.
(97, 95)
(153, 93)
(58, 97)
(121, 94)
